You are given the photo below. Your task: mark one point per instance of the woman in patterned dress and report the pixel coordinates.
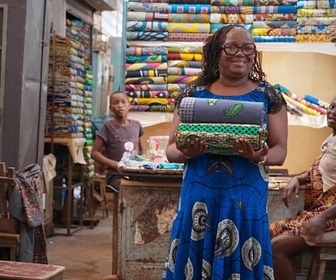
(221, 226)
(288, 235)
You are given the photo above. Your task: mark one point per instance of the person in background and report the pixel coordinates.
(116, 137)
(290, 236)
(220, 230)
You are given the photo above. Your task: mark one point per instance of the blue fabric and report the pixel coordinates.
(221, 227)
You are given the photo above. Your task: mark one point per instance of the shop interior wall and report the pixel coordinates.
(303, 73)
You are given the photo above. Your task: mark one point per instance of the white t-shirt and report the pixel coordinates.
(327, 164)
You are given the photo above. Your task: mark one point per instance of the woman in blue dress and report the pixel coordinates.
(220, 230)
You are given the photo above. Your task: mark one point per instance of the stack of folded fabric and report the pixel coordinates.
(315, 20)
(188, 21)
(184, 65)
(88, 127)
(146, 79)
(147, 21)
(219, 123)
(66, 78)
(224, 12)
(274, 20)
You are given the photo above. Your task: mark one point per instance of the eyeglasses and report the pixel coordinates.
(247, 49)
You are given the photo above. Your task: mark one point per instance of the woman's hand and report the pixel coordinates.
(293, 186)
(193, 148)
(313, 230)
(244, 148)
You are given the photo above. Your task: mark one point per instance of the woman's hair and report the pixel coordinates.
(212, 49)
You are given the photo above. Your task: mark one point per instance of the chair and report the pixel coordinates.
(323, 252)
(9, 227)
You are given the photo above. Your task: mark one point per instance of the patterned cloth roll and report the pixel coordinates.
(146, 80)
(232, 9)
(233, 18)
(183, 71)
(191, 18)
(220, 137)
(267, 39)
(281, 9)
(232, 2)
(314, 29)
(139, 87)
(203, 110)
(274, 2)
(175, 87)
(191, 9)
(312, 38)
(187, 37)
(146, 16)
(271, 17)
(179, 79)
(215, 26)
(274, 31)
(275, 24)
(185, 50)
(316, 12)
(147, 73)
(146, 50)
(147, 7)
(183, 27)
(146, 66)
(145, 58)
(144, 25)
(149, 94)
(151, 101)
(317, 21)
(146, 36)
(184, 63)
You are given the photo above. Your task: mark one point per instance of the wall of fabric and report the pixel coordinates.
(157, 71)
(69, 106)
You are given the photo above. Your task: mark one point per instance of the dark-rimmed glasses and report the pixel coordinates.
(232, 49)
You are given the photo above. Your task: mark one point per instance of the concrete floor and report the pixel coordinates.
(87, 254)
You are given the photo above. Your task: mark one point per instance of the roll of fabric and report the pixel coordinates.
(232, 9)
(273, 2)
(220, 137)
(316, 12)
(150, 16)
(275, 24)
(185, 56)
(189, 1)
(179, 79)
(203, 110)
(314, 29)
(184, 63)
(184, 71)
(145, 58)
(269, 39)
(281, 9)
(232, 2)
(185, 27)
(147, 7)
(231, 18)
(148, 94)
(190, 18)
(144, 25)
(172, 49)
(151, 101)
(146, 66)
(317, 21)
(215, 26)
(175, 87)
(153, 108)
(189, 8)
(271, 17)
(146, 36)
(306, 4)
(274, 31)
(146, 80)
(312, 38)
(187, 37)
(140, 87)
(147, 73)
(325, 4)
(146, 50)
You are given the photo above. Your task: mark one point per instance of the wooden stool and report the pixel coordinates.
(99, 180)
(323, 252)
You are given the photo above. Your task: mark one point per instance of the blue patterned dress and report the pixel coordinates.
(221, 229)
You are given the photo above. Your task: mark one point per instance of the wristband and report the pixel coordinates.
(263, 161)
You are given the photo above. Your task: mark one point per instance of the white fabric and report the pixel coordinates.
(327, 166)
